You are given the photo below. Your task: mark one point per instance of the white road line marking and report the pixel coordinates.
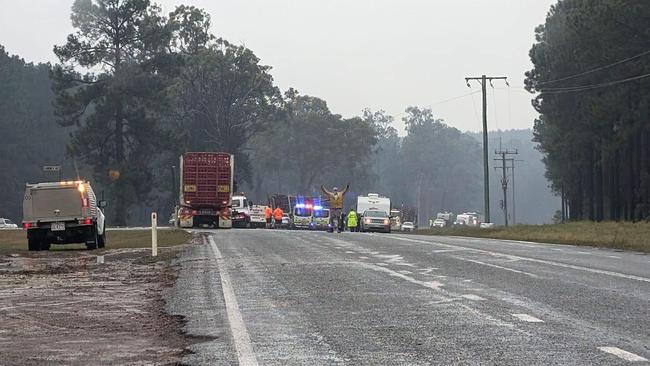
(434, 285)
(527, 318)
(472, 297)
(499, 267)
(552, 263)
(627, 356)
(349, 252)
(613, 256)
(445, 250)
(242, 340)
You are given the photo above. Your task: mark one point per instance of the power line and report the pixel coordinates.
(579, 88)
(455, 98)
(595, 70)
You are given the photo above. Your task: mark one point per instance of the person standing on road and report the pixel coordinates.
(336, 199)
(268, 214)
(353, 222)
(277, 217)
(430, 223)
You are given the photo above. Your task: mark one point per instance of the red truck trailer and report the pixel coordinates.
(206, 185)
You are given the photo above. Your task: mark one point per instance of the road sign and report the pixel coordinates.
(51, 168)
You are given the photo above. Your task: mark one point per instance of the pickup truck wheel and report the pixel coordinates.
(33, 244)
(101, 240)
(93, 239)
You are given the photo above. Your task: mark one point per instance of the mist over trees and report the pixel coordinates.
(591, 63)
(134, 88)
(29, 136)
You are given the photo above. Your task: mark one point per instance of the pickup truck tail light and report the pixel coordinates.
(86, 221)
(28, 225)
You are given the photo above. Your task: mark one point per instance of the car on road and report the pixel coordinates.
(287, 223)
(439, 223)
(63, 213)
(487, 225)
(375, 220)
(408, 226)
(7, 224)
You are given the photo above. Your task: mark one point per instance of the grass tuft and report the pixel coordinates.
(15, 241)
(616, 235)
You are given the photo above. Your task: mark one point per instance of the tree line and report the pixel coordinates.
(591, 62)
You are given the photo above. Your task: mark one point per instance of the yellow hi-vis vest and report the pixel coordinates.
(352, 219)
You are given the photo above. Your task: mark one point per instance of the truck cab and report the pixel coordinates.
(241, 211)
(63, 213)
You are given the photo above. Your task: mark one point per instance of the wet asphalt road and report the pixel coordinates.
(272, 297)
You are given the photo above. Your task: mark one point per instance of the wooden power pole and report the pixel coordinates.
(504, 179)
(486, 170)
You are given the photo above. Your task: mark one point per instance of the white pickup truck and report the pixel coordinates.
(63, 213)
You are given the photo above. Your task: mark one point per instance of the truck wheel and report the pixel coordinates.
(33, 244)
(45, 245)
(93, 239)
(101, 240)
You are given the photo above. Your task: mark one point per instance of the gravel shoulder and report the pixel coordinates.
(65, 308)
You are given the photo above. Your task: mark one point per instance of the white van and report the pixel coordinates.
(63, 213)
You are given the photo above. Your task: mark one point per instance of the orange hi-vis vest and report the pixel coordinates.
(268, 212)
(277, 214)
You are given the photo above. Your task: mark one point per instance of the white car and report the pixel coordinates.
(439, 223)
(487, 225)
(408, 226)
(7, 224)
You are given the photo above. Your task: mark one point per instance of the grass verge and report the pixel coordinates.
(15, 241)
(616, 235)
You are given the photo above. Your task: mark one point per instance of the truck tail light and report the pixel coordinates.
(86, 221)
(27, 225)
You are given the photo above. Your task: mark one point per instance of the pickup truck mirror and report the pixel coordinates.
(102, 204)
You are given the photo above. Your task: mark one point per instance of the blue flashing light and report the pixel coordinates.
(318, 208)
(300, 205)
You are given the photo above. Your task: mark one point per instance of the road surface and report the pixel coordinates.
(273, 297)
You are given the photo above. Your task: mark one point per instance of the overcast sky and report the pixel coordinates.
(380, 54)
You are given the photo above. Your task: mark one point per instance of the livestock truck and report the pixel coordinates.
(206, 188)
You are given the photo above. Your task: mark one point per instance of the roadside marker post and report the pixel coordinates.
(154, 235)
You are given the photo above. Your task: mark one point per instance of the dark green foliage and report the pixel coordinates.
(116, 110)
(439, 167)
(307, 146)
(30, 137)
(596, 141)
(223, 96)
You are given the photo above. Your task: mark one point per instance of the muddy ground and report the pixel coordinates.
(64, 308)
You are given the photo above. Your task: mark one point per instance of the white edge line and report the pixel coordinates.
(245, 354)
(499, 267)
(627, 356)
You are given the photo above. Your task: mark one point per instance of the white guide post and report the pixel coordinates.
(154, 235)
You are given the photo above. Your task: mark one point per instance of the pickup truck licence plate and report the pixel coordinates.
(58, 226)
